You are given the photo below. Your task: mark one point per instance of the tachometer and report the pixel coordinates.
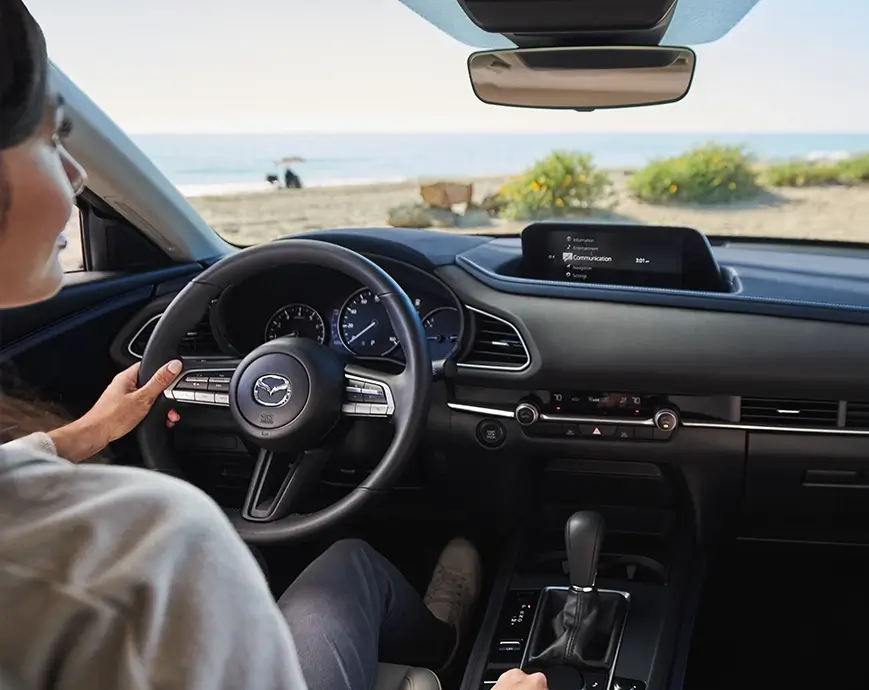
(442, 328)
(364, 326)
(296, 321)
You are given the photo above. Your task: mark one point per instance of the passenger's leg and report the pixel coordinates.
(352, 608)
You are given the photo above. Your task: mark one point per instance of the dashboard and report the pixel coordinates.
(336, 311)
(754, 387)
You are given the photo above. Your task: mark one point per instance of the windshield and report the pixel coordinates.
(280, 117)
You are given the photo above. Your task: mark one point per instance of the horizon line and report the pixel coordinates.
(495, 132)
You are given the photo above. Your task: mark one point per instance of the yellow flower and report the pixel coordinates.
(535, 186)
(581, 178)
(674, 188)
(568, 179)
(559, 202)
(731, 186)
(716, 182)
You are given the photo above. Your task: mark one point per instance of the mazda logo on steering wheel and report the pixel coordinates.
(272, 390)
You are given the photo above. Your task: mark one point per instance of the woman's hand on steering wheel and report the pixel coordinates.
(117, 412)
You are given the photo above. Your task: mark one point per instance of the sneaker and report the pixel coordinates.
(455, 586)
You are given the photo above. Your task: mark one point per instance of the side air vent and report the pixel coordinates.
(197, 342)
(497, 345)
(857, 415)
(790, 412)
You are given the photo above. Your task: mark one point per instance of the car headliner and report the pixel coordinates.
(694, 22)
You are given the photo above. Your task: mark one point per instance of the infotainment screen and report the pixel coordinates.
(667, 257)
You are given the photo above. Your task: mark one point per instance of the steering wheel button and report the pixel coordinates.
(183, 396)
(379, 410)
(203, 397)
(221, 398)
(193, 383)
(349, 408)
(218, 385)
(363, 408)
(356, 396)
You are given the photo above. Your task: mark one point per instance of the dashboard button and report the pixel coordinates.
(624, 433)
(598, 430)
(644, 433)
(570, 430)
(491, 433)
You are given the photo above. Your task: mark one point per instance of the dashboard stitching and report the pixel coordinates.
(660, 291)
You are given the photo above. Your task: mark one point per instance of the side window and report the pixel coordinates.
(72, 255)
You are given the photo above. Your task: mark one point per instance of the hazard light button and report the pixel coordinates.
(597, 430)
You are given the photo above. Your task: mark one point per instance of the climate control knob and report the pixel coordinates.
(526, 413)
(666, 419)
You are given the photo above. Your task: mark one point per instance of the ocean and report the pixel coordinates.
(220, 164)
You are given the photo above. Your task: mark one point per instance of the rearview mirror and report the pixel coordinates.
(582, 78)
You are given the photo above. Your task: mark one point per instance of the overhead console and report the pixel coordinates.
(626, 255)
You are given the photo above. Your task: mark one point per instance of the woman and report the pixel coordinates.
(115, 577)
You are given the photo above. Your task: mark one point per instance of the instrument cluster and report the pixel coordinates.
(335, 311)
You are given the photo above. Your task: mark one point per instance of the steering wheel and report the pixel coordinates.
(287, 395)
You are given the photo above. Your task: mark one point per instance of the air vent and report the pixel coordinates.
(197, 342)
(790, 413)
(857, 416)
(497, 345)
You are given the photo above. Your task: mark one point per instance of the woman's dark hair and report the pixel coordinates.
(23, 90)
(23, 84)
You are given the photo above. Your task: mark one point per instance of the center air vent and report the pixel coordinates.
(857, 416)
(199, 341)
(497, 345)
(790, 412)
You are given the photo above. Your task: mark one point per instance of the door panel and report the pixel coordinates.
(60, 349)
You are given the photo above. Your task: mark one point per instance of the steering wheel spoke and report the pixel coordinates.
(369, 393)
(203, 382)
(279, 479)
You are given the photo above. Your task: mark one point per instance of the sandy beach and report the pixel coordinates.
(833, 213)
(829, 213)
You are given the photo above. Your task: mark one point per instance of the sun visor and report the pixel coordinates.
(569, 16)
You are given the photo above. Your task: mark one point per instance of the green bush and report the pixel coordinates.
(855, 170)
(801, 173)
(561, 184)
(709, 174)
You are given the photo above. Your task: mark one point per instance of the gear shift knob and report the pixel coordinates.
(583, 535)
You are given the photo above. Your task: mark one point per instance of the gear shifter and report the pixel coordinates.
(583, 535)
(579, 626)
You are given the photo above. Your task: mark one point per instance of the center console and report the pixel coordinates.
(594, 626)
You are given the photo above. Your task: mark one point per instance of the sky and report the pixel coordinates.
(374, 65)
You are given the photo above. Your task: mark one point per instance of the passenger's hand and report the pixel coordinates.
(514, 679)
(118, 411)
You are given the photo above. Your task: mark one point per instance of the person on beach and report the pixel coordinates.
(117, 577)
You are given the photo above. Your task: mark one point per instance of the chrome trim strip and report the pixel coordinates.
(154, 318)
(534, 622)
(485, 411)
(495, 367)
(500, 412)
(784, 429)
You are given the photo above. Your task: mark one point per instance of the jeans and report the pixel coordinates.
(352, 608)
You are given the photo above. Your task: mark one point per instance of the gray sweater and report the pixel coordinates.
(118, 578)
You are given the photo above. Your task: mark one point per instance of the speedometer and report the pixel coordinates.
(364, 326)
(296, 321)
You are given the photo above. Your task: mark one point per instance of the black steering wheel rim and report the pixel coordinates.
(410, 389)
